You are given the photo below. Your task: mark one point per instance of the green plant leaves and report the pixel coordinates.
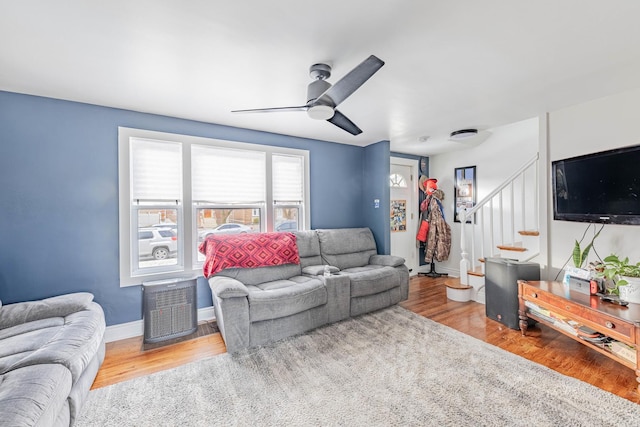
(580, 257)
(615, 269)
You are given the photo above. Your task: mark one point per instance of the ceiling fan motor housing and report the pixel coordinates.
(317, 88)
(320, 108)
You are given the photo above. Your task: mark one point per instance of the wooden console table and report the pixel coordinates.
(570, 309)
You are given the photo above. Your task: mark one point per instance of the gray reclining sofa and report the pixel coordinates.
(255, 306)
(50, 352)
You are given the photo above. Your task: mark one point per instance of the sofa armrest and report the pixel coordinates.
(29, 311)
(231, 304)
(226, 287)
(318, 270)
(386, 260)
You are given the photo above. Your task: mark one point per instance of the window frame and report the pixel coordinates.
(187, 257)
(134, 250)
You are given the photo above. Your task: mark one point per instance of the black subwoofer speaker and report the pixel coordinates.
(501, 288)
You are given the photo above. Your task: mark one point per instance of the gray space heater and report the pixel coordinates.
(169, 309)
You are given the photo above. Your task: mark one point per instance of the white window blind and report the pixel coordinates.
(227, 175)
(156, 170)
(287, 178)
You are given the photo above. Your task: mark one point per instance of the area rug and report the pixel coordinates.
(388, 368)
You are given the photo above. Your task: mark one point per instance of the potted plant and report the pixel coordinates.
(579, 257)
(625, 276)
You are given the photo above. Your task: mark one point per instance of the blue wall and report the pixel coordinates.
(59, 199)
(375, 174)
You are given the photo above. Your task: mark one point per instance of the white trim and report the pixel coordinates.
(188, 256)
(123, 331)
(414, 164)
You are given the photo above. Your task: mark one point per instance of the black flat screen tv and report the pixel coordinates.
(600, 187)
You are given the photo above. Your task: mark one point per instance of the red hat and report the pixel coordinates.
(428, 185)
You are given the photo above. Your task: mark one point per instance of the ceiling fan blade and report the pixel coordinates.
(353, 80)
(344, 123)
(274, 109)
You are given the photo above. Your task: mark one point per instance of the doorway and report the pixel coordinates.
(403, 182)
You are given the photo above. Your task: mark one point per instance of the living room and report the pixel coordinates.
(59, 158)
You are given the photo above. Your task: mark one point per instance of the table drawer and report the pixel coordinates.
(608, 325)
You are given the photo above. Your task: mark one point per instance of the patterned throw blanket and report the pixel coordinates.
(248, 250)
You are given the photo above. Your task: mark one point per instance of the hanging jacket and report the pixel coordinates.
(438, 243)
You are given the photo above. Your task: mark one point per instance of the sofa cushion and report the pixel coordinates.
(258, 275)
(22, 340)
(281, 298)
(347, 247)
(25, 328)
(371, 279)
(34, 395)
(389, 260)
(318, 270)
(308, 248)
(73, 343)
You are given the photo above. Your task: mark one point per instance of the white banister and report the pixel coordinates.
(478, 232)
(512, 217)
(537, 197)
(464, 256)
(523, 204)
(482, 233)
(501, 216)
(492, 236)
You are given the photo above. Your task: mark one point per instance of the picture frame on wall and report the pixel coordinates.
(398, 215)
(464, 194)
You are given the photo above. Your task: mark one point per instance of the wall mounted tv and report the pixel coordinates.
(600, 187)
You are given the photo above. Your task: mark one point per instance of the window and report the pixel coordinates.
(176, 190)
(397, 181)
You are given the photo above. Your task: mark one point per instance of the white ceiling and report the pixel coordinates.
(450, 64)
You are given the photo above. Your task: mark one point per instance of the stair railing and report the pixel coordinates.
(479, 235)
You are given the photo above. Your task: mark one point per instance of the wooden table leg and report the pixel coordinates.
(524, 322)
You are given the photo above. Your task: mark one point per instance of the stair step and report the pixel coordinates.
(456, 291)
(455, 284)
(529, 233)
(476, 272)
(512, 248)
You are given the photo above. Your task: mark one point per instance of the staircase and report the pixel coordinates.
(504, 224)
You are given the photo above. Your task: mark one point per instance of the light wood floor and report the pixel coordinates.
(125, 359)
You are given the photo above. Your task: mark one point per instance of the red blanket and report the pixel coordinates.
(248, 250)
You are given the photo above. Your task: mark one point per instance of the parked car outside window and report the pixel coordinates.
(288, 225)
(158, 243)
(224, 229)
(170, 225)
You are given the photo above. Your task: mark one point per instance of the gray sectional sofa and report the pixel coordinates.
(255, 306)
(50, 352)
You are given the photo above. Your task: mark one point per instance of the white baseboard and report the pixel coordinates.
(123, 331)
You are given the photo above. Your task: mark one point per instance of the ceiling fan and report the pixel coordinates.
(323, 98)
